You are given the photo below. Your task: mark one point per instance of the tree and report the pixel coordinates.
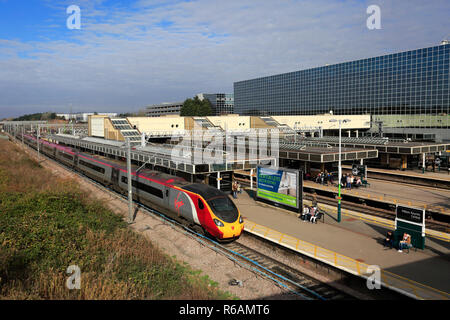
(188, 108)
(196, 108)
(205, 109)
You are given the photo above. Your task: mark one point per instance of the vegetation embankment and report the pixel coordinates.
(48, 224)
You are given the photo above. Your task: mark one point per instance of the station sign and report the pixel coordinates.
(411, 214)
(359, 170)
(281, 185)
(411, 221)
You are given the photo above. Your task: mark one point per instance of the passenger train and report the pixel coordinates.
(198, 205)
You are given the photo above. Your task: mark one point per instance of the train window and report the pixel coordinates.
(92, 166)
(67, 156)
(145, 187)
(224, 208)
(200, 204)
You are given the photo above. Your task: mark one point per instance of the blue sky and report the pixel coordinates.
(129, 54)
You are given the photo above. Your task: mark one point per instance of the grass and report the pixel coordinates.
(48, 224)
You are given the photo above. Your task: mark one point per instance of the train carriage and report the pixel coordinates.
(143, 189)
(200, 205)
(66, 156)
(48, 150)
(97, 170)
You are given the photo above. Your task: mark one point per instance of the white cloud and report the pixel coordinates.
(126, 58)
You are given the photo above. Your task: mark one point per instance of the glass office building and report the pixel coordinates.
(222, 103)
(412, 85)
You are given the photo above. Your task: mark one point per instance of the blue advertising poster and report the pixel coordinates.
(280, 186)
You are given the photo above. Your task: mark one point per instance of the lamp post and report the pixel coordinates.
(130, 188)
(339, 167)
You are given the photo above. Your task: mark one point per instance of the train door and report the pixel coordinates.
(167, 192)
(75, 160)
(201, 208)
(115, 177)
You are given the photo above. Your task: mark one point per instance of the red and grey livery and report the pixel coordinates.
(198, 204)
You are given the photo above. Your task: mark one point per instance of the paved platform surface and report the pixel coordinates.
(397, 192)
(358, 239)
(444, 174)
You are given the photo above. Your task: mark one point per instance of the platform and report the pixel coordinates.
(442, 175)
(433, 199)
(353, 245)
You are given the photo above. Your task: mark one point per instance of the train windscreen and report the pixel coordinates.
(224, 208)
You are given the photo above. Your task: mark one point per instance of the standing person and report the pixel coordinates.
(314, 200)
(349, 182)
(234, 188)
(343, 181)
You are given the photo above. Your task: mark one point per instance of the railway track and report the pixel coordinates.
(297, 284)
(329, 199)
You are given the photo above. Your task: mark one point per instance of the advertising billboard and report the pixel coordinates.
(280, 185)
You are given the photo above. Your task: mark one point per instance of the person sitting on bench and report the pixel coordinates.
(405, 243)
(315, 216)
(311, 213)
(305, 213)
(389, 241)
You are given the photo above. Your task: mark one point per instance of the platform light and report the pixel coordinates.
(339, 166)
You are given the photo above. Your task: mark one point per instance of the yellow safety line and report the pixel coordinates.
(322, 252)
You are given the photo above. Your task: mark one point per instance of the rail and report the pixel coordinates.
(388, 279)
